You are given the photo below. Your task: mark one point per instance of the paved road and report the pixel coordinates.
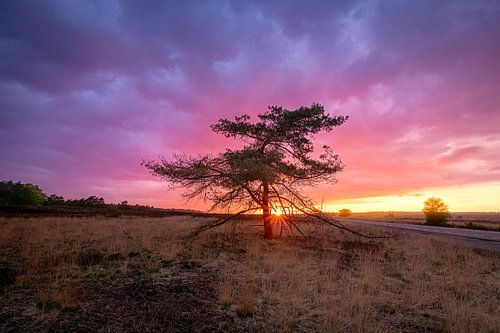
(480, 239)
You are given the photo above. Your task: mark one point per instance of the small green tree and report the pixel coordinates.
(20, 194)
(436, 211)
(345, 212)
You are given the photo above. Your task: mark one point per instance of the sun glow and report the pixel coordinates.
(277, 213)
(460, 198)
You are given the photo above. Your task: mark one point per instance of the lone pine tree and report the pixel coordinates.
(270, 170)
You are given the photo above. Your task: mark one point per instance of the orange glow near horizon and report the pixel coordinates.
(483, 197)
(479, 197)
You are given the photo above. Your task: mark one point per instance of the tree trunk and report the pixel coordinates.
(268, 224)
(266, 213)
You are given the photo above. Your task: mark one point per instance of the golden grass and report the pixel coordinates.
(333, 283)
(470, 220)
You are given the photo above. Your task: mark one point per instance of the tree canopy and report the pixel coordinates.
(268, 173)
(21, 194)
(345, 212)
(436, 211)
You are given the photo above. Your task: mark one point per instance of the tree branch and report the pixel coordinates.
(208, 226)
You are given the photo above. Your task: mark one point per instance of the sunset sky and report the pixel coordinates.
(90, 88)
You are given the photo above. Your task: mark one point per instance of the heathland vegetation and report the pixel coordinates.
(137, 274)
(29, 199)
(93, 266)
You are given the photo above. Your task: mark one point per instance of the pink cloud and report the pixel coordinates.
(88, 90)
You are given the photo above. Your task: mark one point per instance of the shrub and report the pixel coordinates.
(472, 225)
(345, 212)
(436, 211)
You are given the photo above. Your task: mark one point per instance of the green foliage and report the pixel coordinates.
(91, 201)
(55, 200)
(269, 172)
(18, 198)
(436, 211)
(276, 160)
(345, 212)
(21, 194)
(28, 194)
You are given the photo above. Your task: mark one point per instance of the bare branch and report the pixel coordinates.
(337, 223)
(220, 222)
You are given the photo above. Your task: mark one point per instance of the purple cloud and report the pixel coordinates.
(88, 89)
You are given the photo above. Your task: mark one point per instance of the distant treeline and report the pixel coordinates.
(18, 198)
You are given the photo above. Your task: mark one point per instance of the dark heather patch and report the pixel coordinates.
(179, 301)
(174, 300)
(90, 257)
(8, 275)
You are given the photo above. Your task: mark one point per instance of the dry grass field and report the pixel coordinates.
(488, 221)
(142, 275)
